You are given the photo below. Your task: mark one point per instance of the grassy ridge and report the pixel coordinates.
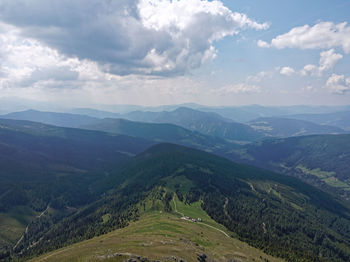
(159, 236)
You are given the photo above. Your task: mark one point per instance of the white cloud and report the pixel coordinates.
(26, 62)
(263, 44)
(175, 16)
(322, 35)
(338, 84)
(287, 71)
(240, 88)
(309, 70)
(328, 60)
(259, 76)
(129, 36)
(309, 89)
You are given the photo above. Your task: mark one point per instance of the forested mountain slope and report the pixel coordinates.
(321, 160)
(279, 214)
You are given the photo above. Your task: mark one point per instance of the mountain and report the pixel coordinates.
(321, 160)
(43, 149)
(186, 115)
(339, 119)
(250, 112)
(284, 127)
(52, 118)
(279, 214)
(162, 133)
(44, 165)
(156, 132)
(203, 122)
(94, 113)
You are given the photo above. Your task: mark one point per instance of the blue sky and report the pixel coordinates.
(153, 52)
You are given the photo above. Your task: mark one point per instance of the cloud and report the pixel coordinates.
(263, 44)
(322, 35)
(287, 71)
(240, 88)
(129, 36)
(260, 76)
(26, 62)
(309, 70)
(309, 89)
(328, 59)
(338, 84)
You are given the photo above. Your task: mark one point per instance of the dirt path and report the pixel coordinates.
(225, 207)
(176, 207)
(214, 228)
(54, 253)
(26, 230)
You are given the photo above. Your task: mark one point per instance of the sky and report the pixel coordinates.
(80, 53)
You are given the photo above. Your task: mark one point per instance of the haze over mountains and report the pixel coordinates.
(209, 123)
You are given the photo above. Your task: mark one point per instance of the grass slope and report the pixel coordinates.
(159, 236)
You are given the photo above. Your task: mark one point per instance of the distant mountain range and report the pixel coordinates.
(162, 133)
(285, 127)
(52, 118)
(151, 131)
(240, 114)
(236, 113)
(207, 123)
(338, 119)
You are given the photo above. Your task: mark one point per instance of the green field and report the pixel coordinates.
(195, 211)
(159, 236)
(327, 177)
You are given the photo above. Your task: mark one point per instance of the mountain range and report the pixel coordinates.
(67, 178)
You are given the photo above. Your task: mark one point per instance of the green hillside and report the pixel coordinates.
(321, 160)
(278, 214)
(63, 168)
